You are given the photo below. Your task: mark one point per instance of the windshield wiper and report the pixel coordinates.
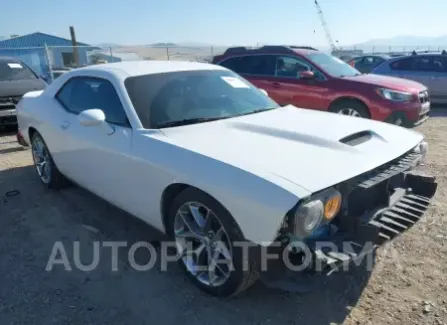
(190, 121)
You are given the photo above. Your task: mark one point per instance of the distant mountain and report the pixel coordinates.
(162, 45)
(112, 45)
(194, 44)
(409, 41)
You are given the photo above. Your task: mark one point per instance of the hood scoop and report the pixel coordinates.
(357, 138)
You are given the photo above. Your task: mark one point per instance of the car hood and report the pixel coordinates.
(299, 145)
(388, 82)
(15, 88)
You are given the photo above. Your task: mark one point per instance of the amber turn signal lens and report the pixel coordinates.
(332, 207)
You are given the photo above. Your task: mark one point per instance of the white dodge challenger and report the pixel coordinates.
(199, 153)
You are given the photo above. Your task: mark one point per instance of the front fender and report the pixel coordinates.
(257, 200)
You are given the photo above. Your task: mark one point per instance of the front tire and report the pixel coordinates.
(47, 171)
(350, 108)
(205, 234)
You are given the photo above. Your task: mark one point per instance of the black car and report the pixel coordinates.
(366, 63)
(16, 79)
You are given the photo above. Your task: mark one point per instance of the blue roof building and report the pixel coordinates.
(39, 51)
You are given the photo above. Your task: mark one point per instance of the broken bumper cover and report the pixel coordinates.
(362, 235)
(355, 239)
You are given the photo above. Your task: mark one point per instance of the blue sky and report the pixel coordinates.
(227, 22)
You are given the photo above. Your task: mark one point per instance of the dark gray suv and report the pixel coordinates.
(16, 79)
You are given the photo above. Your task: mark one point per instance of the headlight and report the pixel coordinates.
(422, 148)
(319, 209)
(394, 95)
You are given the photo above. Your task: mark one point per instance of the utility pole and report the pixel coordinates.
(75, 48)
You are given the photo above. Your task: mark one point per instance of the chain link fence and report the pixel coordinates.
(50, 61)
(384, 49)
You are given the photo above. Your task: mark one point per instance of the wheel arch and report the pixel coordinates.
(31, 132)
(342, 99)
(172, 191)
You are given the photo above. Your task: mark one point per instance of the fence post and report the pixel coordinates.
(167, 52)
(48, 61)
(111, 53)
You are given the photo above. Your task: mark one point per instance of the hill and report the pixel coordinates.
(162, 45)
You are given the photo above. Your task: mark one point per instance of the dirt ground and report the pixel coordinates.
(407, 286)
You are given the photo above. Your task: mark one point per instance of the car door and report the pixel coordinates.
(286, 86)
(96, 157)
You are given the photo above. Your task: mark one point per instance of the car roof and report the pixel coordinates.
(8, 59)
(145, 67)
(385, 56)
(415, 56)
(305, 51)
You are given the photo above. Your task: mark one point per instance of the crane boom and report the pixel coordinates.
(325, 27)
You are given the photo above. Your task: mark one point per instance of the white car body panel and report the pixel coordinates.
(257, 166)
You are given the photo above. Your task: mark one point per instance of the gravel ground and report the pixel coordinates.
(407, 286)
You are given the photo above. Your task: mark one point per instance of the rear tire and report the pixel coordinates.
(215, 217)
(47, 171)
(350, 108)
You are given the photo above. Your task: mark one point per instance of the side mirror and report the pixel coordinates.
(306, 75)
(91, 117)
(264, 92)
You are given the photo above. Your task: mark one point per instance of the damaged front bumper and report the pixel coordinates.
(354, 239)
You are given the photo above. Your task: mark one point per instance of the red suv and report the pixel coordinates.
(308, 78)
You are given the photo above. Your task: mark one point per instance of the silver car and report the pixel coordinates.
(428, 69)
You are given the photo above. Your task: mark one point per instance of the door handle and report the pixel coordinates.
(65, 125)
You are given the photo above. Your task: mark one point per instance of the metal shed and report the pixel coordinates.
(39, 50)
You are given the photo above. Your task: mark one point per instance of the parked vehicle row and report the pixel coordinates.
(308, 78)
(202, 154)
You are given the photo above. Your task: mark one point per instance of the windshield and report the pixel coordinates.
(14, 70)
(188, 97)
(332, 65)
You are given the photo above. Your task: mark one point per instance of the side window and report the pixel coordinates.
(235, 64)
(82, 93)
(421, 63)
(369, 60)
(439, 64)
(263, 65)
(402, 64)
(377, 61)
(291, 67)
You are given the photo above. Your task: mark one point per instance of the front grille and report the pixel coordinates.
(9, 102)
(423, 97)
(401, 164)
(8, 120)
(372, 189)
